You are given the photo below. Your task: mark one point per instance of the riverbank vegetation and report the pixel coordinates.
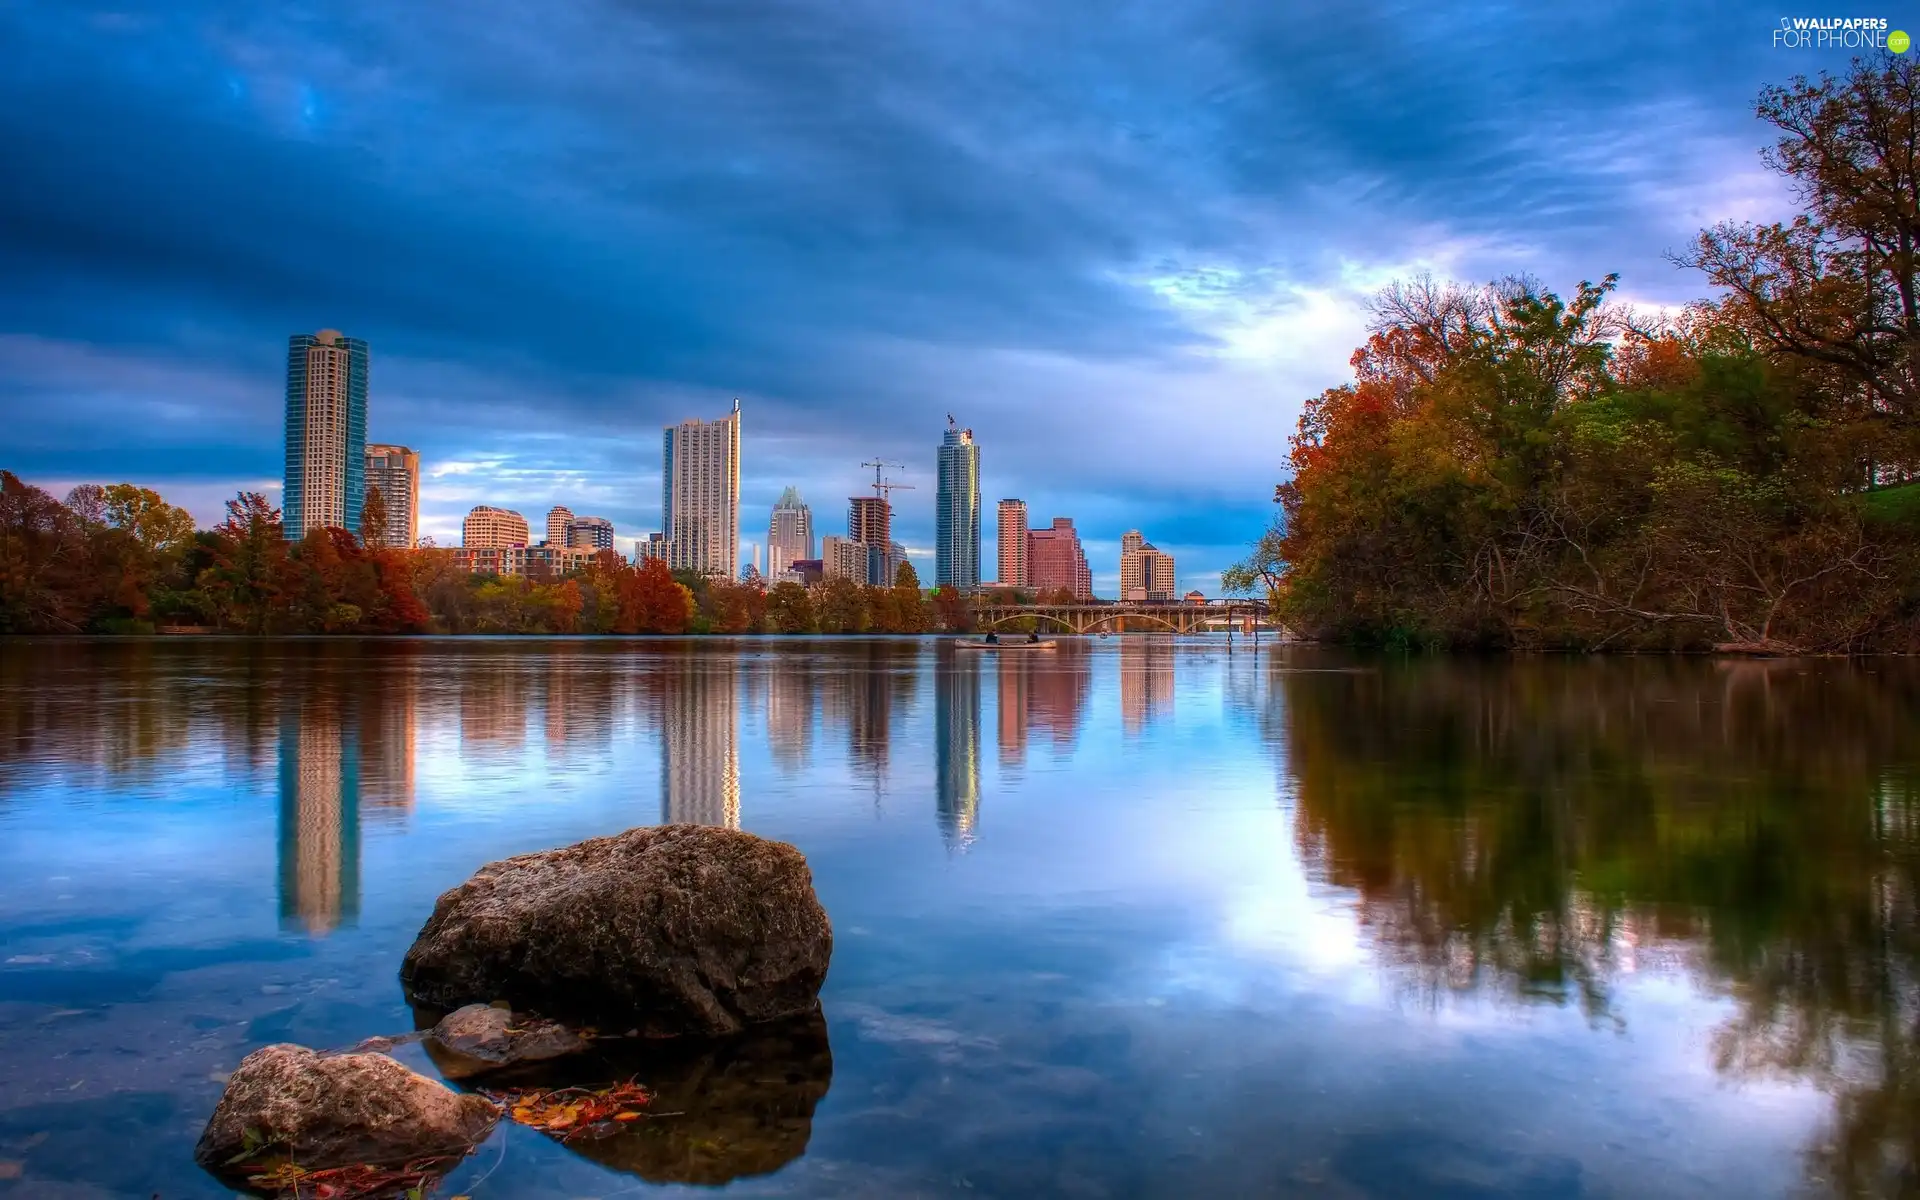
(1512, 468)
(120, 559)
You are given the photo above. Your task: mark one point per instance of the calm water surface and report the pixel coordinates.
(1136, 919)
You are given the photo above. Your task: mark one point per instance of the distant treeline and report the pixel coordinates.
(120, 559)
(1511, 468)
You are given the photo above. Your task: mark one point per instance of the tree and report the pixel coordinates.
(650, 600)
(37, 545)
(159, 527)
(247, 577)
(951, 609)
(840, 606)
(907, 608)
(373, 518)
(1838, 288)
(789, 608)
(1262, 570)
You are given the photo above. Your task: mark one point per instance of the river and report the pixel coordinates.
(1134, 918)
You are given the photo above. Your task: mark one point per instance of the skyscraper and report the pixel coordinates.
(395, 470)
(326, 480)
(558, 518)
(956, 550)
(1055, 560)
(1011, 536)
(1146, 574)
(870, 522)
(700, 495)
(789, 534)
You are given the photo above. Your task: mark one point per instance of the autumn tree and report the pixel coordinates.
(1837, 289)
(37, 549)
(952, 610)
(840, 606)
(789, 608)
(246, 580)
(373, 518)
(650, 600)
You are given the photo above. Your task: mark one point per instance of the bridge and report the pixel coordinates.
(1130, 618)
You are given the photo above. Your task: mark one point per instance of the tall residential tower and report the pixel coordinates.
(700, 495)
(395, 470)
(326, 480)
(1011, 536)
(956, 550)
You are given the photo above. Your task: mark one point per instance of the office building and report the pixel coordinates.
(956, 517)
(326, 478)
(1055, 560)
(589, 533)
(1010, 535)
(395, 470)
(789, 534)
(558, 518)
(489, 528)
(844, 558)
(700, 495)
(654, 545)
(870, 522)
(1146, 574)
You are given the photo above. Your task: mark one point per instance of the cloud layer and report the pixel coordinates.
(1123, 243)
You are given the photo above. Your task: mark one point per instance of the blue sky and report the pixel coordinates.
(1122, 242)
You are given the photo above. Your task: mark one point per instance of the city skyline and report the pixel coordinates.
(1166, 244)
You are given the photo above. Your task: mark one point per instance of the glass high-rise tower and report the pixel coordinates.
(326, 482)
(956, 518)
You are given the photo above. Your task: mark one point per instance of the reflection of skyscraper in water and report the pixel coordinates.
(387, 720)
(319, 817)
(957, 748)
(1057, 695)
(1146, 682)
(790, 704)
(493, 706)
(871, 707)
(1015, 672)
(699, 742)
(576, 704)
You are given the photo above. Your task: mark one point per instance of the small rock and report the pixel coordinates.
(486, 1037)
(337, 1110)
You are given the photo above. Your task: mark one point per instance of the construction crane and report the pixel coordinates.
(881, 487)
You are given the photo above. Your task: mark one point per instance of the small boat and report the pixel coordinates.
(1018, 644)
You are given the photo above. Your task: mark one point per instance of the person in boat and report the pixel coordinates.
(993, 639)
(1034, 636)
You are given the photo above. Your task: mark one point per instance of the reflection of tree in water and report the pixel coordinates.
(1538, 828)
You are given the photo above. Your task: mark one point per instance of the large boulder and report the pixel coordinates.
(336, 1110)
(666, 930)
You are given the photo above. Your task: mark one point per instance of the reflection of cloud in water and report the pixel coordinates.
(947, 1042)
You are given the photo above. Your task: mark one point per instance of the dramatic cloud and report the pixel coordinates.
(1122, 243)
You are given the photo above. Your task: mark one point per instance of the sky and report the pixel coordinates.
(1122, 242)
